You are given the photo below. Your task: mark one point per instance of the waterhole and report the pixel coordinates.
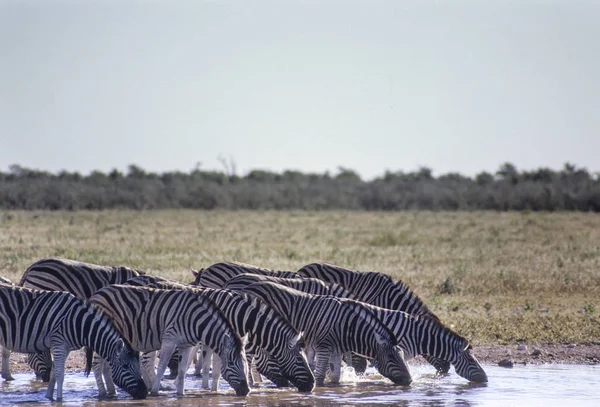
(532, 385)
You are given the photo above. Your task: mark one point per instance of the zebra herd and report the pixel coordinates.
(293, 327)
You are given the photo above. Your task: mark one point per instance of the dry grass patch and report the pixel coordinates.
(495, 277)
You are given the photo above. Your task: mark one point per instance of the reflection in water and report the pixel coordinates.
(548, 385)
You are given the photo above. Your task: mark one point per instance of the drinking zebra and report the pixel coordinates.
(268, 332)
(333, 325)
(217, 275)
(153, 319)
(33, 321)
(422, 334)
(377, 289)
(79, 278)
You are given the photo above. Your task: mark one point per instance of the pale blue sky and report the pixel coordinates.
(309, 85)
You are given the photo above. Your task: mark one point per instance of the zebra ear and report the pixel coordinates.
(195, 272)
(120, 345)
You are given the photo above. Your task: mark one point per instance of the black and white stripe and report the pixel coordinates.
(6, 375)
(268, 331)
(33, 321)
(333, 326)
(377, 289)
(424, 335)
(79, 278)
(217, 275)
(76, 277)
(307, 285)
(154, 319)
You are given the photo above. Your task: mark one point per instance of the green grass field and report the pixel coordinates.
(495, 278)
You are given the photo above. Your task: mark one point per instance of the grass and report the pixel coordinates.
(493, 277)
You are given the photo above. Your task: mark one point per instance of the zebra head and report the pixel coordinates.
(465, 364)
(41, 363)
(390, 361)
(234, 367)
(125, 369)
(294, 365)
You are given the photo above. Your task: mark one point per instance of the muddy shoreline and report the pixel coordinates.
(503, 355)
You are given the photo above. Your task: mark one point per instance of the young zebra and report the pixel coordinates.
(377, 289)
(217, 275)
(333, 325)
(153, 319)
(34, 321)
(268, 332)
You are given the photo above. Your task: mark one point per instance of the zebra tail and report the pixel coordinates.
(89, 357)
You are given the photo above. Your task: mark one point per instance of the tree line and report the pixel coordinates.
(544, 189)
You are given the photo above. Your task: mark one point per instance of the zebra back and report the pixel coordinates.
(307, 285)
(79, 278)
(217, 275)
(371, 287)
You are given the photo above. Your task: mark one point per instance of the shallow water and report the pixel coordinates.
(545, 385)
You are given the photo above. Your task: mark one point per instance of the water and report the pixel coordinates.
(543, 385)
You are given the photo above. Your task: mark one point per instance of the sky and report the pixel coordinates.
(374, 86)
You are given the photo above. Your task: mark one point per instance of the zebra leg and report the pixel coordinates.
(5, 364)
(197, 352)
(335, 367)
(173, 365)
(184, 361)
(148, 364)
(254, 377)
(310, 357)
(97, 369)
(166, 350)
(216, 372)
(206, 359)
(321, 364)
(58, 372)
(107, 372)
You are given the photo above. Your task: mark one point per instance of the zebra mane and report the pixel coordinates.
(360, 308)
(434, 321)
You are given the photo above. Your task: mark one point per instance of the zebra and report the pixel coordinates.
(377, 289)
(307, 285)
(333, 325)
(79, 278)
(5, 352)
(422, 334)
(153, 319)
(268, 332)
(34, 321)
(218, 274)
